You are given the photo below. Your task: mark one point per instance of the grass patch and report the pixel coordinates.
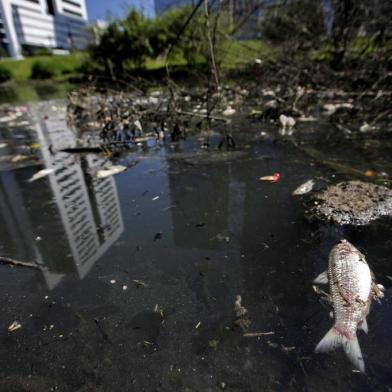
(237, 53)
(61, 65)
(233, 53)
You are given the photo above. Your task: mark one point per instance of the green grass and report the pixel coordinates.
(237, 53)
(63, 65)
(233, 54)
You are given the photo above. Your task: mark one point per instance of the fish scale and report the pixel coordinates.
(351, 277)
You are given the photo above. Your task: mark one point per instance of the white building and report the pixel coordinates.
(42, 23)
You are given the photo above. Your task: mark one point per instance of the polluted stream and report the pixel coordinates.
(183, 272)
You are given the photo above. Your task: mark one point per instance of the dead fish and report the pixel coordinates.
(111, 171)
(304, 188)
(41, 174)
(352, 289)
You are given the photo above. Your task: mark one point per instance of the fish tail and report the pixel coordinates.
(333, 339)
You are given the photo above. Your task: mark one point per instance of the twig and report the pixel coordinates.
(18, 263)
(256, 334)
(201, 115)
(184, 26)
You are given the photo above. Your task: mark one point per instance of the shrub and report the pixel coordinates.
(42, 70)
(5, 74)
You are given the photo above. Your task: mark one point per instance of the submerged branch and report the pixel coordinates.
(18, 263)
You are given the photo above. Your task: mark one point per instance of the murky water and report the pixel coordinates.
(141, 270)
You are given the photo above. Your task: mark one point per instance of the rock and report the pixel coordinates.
(351, 202)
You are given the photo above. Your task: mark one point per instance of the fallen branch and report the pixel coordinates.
(27, 264)
(81, 149)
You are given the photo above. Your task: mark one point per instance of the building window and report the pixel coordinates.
(74, 3)
(67, 11)
(50, 7)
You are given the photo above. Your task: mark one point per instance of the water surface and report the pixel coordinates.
(141, 270)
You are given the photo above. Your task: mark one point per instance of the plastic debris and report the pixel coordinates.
(41, 174)
(14, 326)
(155, 198)
(140, 283)
(365, 127)
(229, 111)
(331, 108)
(304, 188)
(274, 178)
(111, 171)
(286, 121)
(240, 311)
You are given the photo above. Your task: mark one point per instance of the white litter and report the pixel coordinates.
(41, 174)
(111, 171)
(304, 188)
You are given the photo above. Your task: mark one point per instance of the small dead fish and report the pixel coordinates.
(306, 187)
(41, 174)
(111, 171)
(352, 290)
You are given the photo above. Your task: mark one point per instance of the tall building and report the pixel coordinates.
(52, 24)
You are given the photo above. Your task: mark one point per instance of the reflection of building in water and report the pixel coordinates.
(79, 218)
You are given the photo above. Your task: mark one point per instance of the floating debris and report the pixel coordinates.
(140, 282)
(274, 178)
(240, 311)
(14, 326)
(351, 202)
(41, 174)
(155, 198)
(158, 236)
(13, 262)
(241, 314)
(287, 121)
(20, 158)
(116, 169)
(257, 334)
(112, 281)
(331, 108)
(229, 111)
(304, 188)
